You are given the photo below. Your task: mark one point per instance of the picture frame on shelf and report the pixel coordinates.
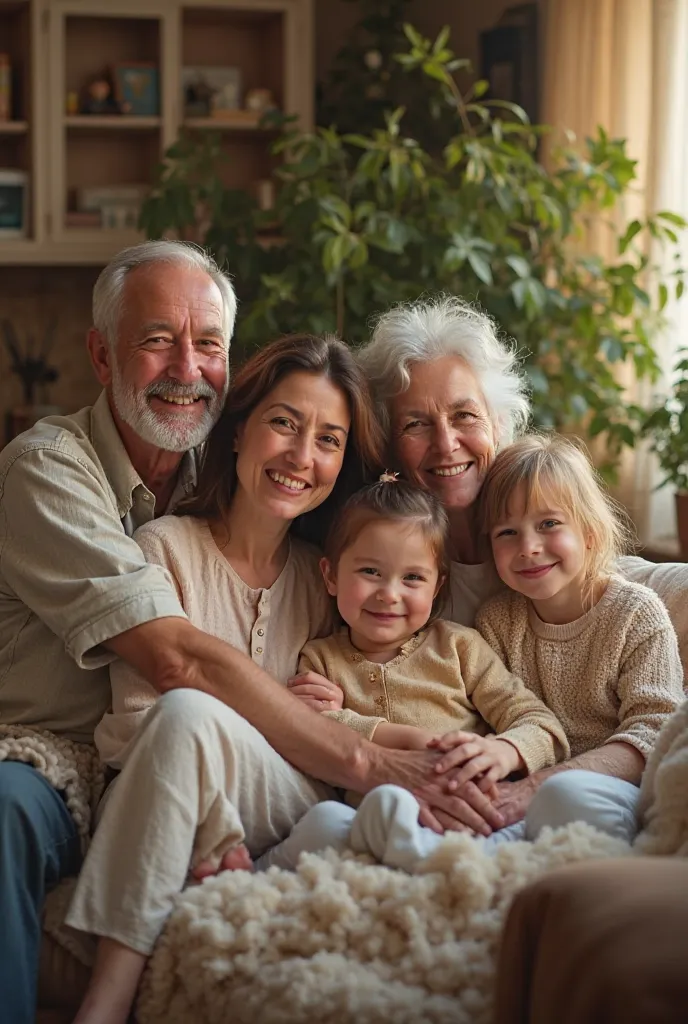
(211, 91)
(14, 189)
(137, 89)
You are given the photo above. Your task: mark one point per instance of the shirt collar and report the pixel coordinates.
(116, 463)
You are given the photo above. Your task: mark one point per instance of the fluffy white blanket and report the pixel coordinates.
(342, 941)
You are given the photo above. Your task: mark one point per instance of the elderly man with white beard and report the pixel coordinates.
(73, 489)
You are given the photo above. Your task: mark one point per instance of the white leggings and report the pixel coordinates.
(385, 825)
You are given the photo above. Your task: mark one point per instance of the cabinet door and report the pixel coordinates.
(109, 120)
(20, 134)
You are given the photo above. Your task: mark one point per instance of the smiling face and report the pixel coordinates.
(385, 583)
(167, 372)
(541, 552)
(290, 449)
(442, 432)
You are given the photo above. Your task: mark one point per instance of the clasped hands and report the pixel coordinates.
(462, 793)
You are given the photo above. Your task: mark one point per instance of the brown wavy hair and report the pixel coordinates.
(296, 353)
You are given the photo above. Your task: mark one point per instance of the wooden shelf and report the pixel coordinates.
(14, 127)
(228, 124)
(57, 47)
(115, 122)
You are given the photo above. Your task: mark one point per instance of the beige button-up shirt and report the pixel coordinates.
(71, 577)
(445, 678)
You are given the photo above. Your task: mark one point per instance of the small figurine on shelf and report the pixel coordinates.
(100, 97)
(72, 104)
(260, 101)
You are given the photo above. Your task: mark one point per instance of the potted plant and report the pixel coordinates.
(362, 221)
(667, 427)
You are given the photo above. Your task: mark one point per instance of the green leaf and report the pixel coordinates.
(673, 218)
(441, 40)
(480, 266)
(519, 290)
(333, 254)
(336, 206)
(629, 234)
(519, 265)
(437, 71)
(663, 296)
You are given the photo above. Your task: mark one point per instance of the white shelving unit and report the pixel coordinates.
(59, 45)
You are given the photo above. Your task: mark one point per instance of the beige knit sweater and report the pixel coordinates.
(612, 675)
(445, 678)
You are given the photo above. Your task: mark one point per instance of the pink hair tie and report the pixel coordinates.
(388, 477)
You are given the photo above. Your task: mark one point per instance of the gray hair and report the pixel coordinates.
(429, 329)
(109, 288)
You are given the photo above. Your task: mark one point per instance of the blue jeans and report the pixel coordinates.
(39, 845)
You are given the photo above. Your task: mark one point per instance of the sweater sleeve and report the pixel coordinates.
(311, 660)
(650, 683)
(506, 703)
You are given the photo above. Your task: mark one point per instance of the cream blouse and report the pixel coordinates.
(269, 624)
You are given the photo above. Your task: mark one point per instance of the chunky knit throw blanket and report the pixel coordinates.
(73, 768)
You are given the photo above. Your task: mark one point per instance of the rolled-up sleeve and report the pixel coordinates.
(65, 555)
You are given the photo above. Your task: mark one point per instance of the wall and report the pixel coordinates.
(32, 296)
(466, 19)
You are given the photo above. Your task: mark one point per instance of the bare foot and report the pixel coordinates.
(236, 859)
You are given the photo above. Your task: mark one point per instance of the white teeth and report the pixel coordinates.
(293, 485)
(177, 399)
(451, 471)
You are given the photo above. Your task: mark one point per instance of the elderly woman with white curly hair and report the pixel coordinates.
(449, 393)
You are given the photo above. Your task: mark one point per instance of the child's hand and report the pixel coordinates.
(488, 757)
(316, 691)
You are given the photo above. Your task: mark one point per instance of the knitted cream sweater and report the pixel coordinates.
(612, 675)
(444, 678)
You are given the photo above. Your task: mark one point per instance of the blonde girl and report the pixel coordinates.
(599, 650)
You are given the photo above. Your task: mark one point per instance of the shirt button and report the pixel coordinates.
(372, 677)
(355, 657)
(259, 650)
(147, 497)
(260, 632)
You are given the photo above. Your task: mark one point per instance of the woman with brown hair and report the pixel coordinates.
(297, 434)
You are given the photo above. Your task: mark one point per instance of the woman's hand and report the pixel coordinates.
(316, 692)
(482, 759)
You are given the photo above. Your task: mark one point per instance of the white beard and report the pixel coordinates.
(163, 431)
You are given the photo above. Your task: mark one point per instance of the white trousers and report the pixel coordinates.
(385, 825)
(198, 780)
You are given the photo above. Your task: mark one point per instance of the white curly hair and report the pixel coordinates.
(445, 325)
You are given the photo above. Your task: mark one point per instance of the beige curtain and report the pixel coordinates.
(623, 64)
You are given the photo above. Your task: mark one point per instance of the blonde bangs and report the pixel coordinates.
(553, 471)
